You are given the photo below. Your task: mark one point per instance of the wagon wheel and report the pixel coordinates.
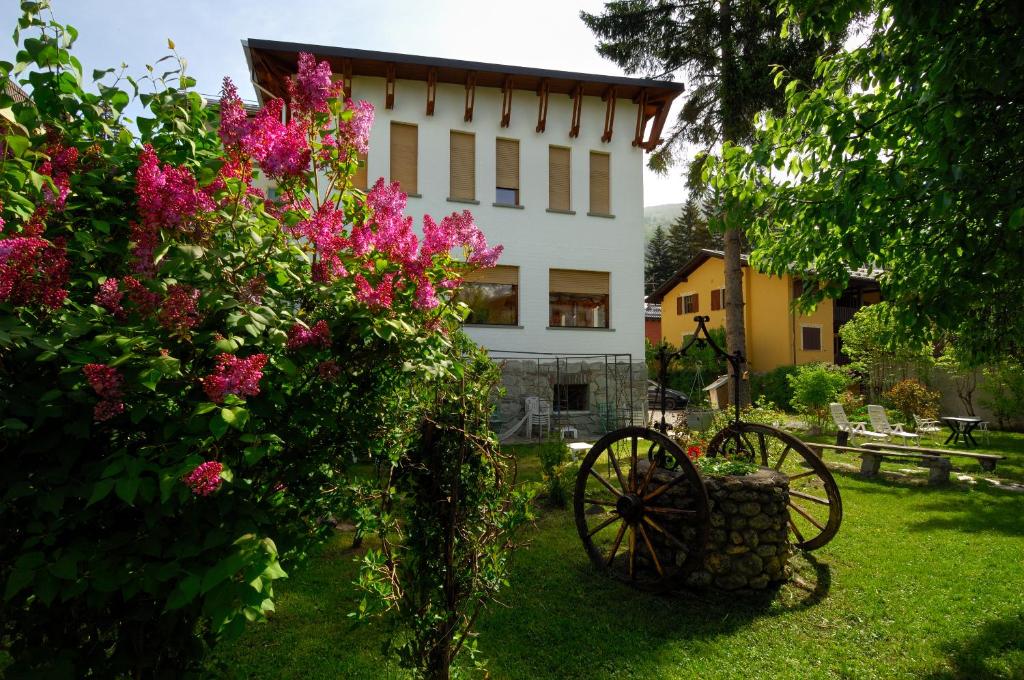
(639, 521)
(815, 508)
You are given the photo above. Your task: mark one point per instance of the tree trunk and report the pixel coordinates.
(735, 328)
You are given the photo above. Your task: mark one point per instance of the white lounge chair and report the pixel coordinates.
(854, 429)
(926, 426)
(538, 413)
(880, 422)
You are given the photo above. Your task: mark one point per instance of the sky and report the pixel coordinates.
(537, 33)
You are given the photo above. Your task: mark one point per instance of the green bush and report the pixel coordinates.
(773, 386)
(815, 386)
(1004, 388)
(557, 477)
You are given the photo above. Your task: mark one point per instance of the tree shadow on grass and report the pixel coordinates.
(980, 510)
(995, 650)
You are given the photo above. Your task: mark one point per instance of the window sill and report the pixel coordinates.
(470, 201)
(579, 328)
(415, 195)
(507, 205)
(491, 325)
(607, 216)
(561, 212)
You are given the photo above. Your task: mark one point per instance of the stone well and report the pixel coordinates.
(748, 545)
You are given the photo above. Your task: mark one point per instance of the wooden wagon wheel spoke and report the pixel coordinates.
(663, 488)
(809, 497)
(650, 548)
(794, 456)
(603, 524)
(604, 481)
(618, 541)
(657, 527)
(806, 516)
(604, 513)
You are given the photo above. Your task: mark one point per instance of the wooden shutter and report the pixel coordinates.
(716, 299)
(578, 281)
(502, 273)
(462, 169)
(507, 175)
(811, 338)
(360, 179)
(679, 305)
(696, 303)
(558, 178)
(600, 183)
(405, 156)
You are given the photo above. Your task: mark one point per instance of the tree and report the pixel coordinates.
(907, 156)
(658, 265)
(880, 351)
(727, 49)
(689, 233)
(964, 374)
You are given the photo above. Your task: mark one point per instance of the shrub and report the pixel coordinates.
(773, 386)
(188, 365)
(557, 478)
(1004, 387)
(911, 398)
(880, 351)
(815, 386)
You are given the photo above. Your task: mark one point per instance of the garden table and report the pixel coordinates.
(960, 429)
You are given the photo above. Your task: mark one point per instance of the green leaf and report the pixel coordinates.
(100, 491)
(218, 426)
(185, 592)
(126, 488)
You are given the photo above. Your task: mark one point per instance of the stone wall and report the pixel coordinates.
(749, 542)
(608, 388)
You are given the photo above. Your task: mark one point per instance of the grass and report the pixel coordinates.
(920, 583)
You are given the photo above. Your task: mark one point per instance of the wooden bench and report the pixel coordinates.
(871, 460)
(987, 460)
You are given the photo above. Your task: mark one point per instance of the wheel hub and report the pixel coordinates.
(630, 507)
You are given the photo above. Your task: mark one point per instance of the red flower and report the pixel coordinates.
(205, 479)
(107, 382)
(300, 336)
(235, 376)
(33, 270)
(694, 452)
(178, 313)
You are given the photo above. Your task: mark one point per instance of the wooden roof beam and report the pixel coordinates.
(542, 110)
(577, 110)
(506, 101)
(346, 77)
(659, 124)
(641, 118)
(431, 90)
(389, 88)
(470, 95)
(609, 114)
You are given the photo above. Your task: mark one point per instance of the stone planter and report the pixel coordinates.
(748, 545)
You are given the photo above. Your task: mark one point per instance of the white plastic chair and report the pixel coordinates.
(854, 429)
(983, 427)
(539, 415)
(926, 426)
(880, 422)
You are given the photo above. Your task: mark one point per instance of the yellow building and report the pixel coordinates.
(776, 334)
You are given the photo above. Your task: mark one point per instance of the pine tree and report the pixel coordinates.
(658, 265)
(689, 233)
(729, 50)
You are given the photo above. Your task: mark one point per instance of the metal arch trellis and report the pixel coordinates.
(700, 339)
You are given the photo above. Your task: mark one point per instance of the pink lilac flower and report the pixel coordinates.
(355, 131)
(234, 123)
(234, 376)
(33, 270)
(109, 298)
(107, 382)
(392, 232)
(300, 336)
(281, 149)
(426, 295)
(289, 153)
(205, 479)
(329, 370)
(178, 313)
(145, 239)
(251, 292)
(380, 297)
(312, 88)
(325, 231)
(144, 300)
(168, 196)
(62, 162)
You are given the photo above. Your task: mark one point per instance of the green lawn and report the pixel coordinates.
(919, 583)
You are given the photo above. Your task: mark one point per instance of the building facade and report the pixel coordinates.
(550, 164)
(777, 335)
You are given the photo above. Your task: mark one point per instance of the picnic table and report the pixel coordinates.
(961, 428)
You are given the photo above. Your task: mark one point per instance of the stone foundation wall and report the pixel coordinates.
(748, 546)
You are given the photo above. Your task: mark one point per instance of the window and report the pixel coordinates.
(679, 305)
(507, 172)
(600, 183)
(360, 179)
(578, 299)
(558, 179)
(462, 167)
(811, 338)
(405, 156)
(717, 299)
(570, 397)
(690, 305)
(798, 288)
(492, 296)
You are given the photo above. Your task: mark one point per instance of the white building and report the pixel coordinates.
(550, 164)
